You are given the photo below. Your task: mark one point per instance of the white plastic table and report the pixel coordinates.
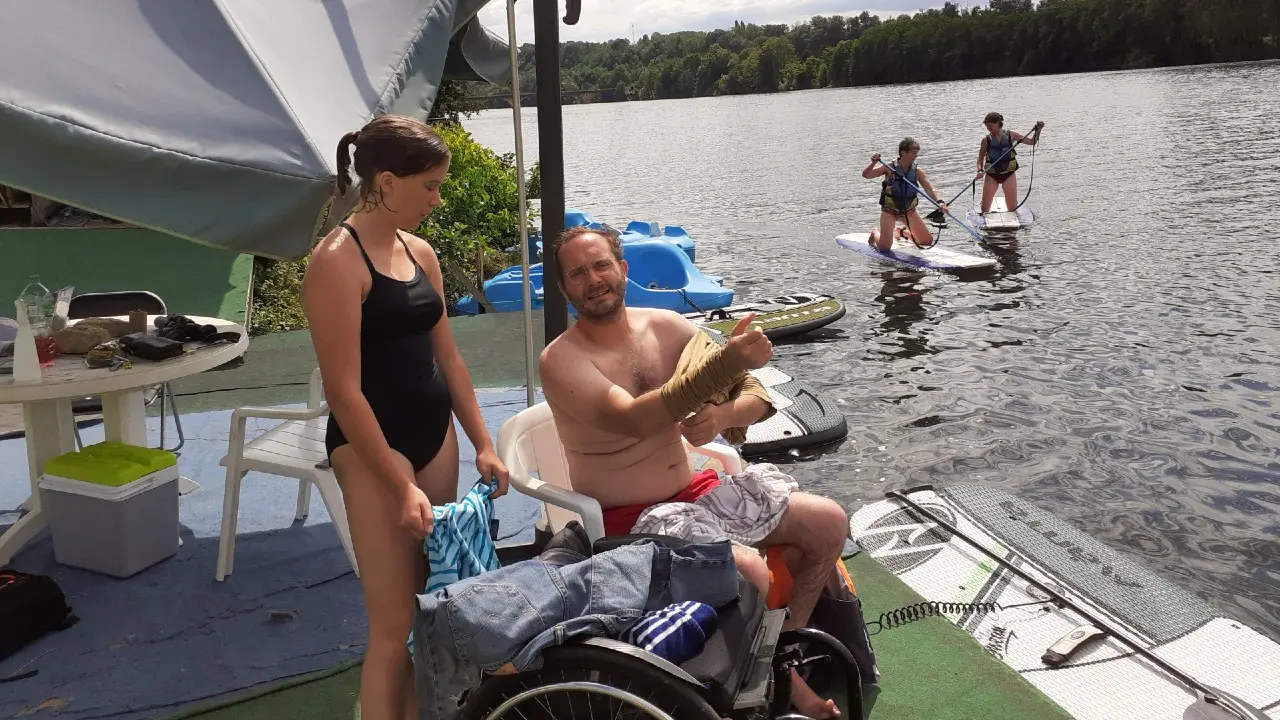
(50, 424)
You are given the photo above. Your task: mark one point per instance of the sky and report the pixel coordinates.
(608, 19)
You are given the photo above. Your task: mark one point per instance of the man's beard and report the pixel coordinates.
(605, 309)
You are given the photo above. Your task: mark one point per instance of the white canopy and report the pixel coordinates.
(218, 120)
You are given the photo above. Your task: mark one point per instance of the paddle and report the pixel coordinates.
(936, 215)
(925, 195)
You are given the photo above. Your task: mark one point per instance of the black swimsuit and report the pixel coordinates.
(398, 372)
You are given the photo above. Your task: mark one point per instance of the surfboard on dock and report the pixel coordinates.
(1019, 623)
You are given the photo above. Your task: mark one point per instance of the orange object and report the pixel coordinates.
(781, 583)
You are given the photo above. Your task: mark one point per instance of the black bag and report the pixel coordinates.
(151, 347)
(839, 614)
(30, 606)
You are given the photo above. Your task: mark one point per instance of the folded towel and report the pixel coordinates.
(676, 632)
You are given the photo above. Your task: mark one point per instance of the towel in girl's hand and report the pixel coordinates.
(676, 633)
(461, 542)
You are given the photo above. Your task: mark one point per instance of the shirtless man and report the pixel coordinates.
(620, 416)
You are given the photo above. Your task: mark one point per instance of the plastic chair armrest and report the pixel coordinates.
(587, 507)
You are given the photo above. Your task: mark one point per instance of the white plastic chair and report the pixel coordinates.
(529, 444)
(295, 449)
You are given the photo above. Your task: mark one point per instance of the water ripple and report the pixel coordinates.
(1118, 367)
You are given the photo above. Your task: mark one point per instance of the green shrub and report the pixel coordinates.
(480, 212)
(277, 296)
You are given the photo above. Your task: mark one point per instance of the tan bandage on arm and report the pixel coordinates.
(689, 391)
(750, 387)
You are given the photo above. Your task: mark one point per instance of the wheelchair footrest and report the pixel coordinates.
(755, 691)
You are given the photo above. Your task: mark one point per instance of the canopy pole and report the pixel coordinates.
(526, 283)
(546, 43)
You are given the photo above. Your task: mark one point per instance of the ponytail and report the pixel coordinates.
(344, 161)
(399, 145)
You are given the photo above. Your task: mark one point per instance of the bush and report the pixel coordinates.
(277, 296)
(480, 212)
(533, 186)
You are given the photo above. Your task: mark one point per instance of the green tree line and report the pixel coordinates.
(1008, 37)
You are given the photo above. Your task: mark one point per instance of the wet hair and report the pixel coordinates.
(615, 244)
(396, 144)
(907, 145)
(994, 117)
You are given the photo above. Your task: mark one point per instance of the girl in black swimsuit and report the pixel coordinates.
(394, 380)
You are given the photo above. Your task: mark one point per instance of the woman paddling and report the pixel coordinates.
(998, 147)
(898, 194)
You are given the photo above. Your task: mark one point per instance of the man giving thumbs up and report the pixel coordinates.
(623, 415)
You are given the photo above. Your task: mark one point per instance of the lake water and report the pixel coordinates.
(1120, 367)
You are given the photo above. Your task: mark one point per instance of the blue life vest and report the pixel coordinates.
(896, 193)
(996, 147)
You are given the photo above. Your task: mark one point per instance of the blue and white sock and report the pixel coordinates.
(676, 632)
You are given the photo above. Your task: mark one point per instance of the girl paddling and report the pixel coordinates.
(898, 195)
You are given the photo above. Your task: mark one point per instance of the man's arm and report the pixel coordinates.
(574, 385)
(750, 406)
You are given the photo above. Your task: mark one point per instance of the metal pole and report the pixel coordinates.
(546, 43)
(525, 285)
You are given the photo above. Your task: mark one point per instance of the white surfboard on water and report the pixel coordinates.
(1000, 218)
(937, 257)
(1105, 679)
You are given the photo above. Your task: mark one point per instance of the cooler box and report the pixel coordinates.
(112, 508)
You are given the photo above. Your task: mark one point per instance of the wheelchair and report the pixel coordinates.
(743, 671)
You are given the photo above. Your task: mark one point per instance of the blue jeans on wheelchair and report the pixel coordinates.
(512, 614)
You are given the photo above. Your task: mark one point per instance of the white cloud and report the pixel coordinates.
(608, 19)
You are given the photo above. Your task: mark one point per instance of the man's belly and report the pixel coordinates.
(652, 470)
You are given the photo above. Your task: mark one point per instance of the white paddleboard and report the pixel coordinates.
(1105, 679)
(938, 257)
(1000, 218)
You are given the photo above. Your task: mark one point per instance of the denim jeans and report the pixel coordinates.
(514, 613)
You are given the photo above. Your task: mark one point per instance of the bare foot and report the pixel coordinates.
(807, 702)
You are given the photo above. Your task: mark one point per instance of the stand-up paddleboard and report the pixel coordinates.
(1105, 678)
(805, 418)
(779, 317)
(1000, 218)
(902, 251)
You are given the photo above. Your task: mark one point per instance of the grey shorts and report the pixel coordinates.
(745, 508)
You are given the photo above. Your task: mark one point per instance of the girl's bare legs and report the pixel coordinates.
(392, 572)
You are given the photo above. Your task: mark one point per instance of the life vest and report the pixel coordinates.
(898, 190)
(996, 147)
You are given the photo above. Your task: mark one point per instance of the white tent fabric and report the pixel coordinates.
(218, 120)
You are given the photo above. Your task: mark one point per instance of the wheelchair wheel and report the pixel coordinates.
(827, 667)
(581, 681)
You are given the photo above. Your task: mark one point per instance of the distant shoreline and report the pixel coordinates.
(1010, 38)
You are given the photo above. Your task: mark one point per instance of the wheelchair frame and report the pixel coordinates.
(765, 691)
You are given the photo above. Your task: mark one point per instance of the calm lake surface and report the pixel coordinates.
(1119, 368)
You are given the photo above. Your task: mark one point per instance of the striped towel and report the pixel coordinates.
(460, 545)
(676, 632)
